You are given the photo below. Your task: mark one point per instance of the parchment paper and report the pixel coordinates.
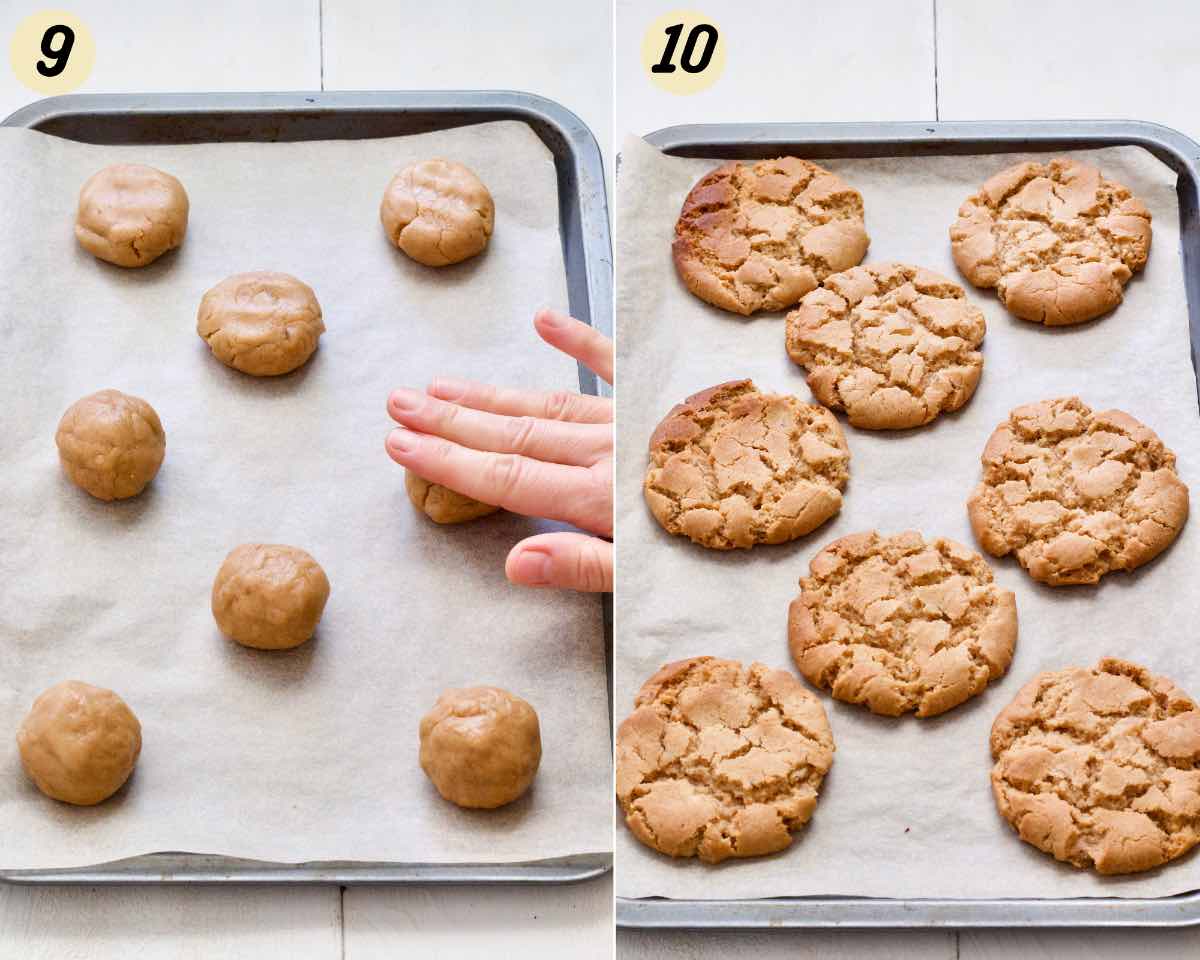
(907, 809)
(309, 754)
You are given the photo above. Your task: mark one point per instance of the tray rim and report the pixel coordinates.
(1179, 152)
(589, 299)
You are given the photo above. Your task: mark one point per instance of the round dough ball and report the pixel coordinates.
(441, 504)
(131, 214)
(480, 746)
(269, 596)
(79, 743)
(262, 323)
(438, 212)
(111, 444)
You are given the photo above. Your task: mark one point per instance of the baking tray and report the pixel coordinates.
(829, 141)
(169, 118)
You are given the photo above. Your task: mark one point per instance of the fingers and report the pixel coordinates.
(510, 402)
(582, 444)
(569, 561)
(576, 339)
(576, 495)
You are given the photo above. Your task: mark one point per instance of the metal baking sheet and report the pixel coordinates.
(842, 140)
(587, 256)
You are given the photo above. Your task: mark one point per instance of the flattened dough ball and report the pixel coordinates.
(438, 212)
(1057, 240)
(480, 746)
(111, 444)
(269, 596)
(441, 504)
(79, 743)
(262, 323)
(131, 214)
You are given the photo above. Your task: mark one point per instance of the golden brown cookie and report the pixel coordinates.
(890, 344)
(1057, 240)
(111, 444)
(441, 504)
(131, 214)
(759, 236)
(262, 323)
(79, 743)
(1076, 494)
(269, 596)
(721, 760)
(1100, 767)
(481, 746)
(732, 467)
(900, 624)
(438, 212)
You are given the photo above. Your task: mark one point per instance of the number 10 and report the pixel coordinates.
(690, 65)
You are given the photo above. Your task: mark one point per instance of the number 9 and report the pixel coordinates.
(57, 57)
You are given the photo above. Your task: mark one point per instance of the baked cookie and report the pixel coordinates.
(131, 214)
(262, 323)
(1076, 494)
(438, 212)
(900, 624)
(1100, 767)
(1057, 240)
(890, 344)
(759, 236)
(269, 596)
(481, 746)
(79, 743)
(721, 760)
(732, 467)
(441, 504)
(111, 444)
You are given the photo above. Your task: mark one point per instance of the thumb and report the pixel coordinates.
(569, 561)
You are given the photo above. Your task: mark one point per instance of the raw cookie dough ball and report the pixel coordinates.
(1057, 240)
(441, 504)
(262, 323)
(734, 467)
(438, 212)
(111, 444)
(1100, 767)
(760, 235)
(131, 214)
(892, 345)
(269, 596)
(79, 743)
(480, 746)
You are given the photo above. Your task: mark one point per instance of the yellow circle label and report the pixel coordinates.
(52, 52)
(683, 52)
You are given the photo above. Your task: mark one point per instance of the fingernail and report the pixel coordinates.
(405, 399)
(552, 319)
(532, 567)
(402, 441)
(448, 388)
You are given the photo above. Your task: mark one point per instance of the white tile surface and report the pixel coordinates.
(1079, 944)
(1055, 59)
(146, 45)
(853, 60)
(147, 923)
(786, 945)
(448, 923)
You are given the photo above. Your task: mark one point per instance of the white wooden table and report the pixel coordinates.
(920, 60)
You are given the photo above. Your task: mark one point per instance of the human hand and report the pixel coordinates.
(541, 454)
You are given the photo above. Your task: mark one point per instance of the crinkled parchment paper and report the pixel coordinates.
(907, 809)
(309, 754)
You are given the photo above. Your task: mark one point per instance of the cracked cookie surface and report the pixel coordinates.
(438, 212)
(1057, 240)
(131, 214)
(759, 236)
(733, 467)
(1100, 767)
(1076, 494)
(721, 760)
(899, 624)
(891, 344)
(441, 504)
